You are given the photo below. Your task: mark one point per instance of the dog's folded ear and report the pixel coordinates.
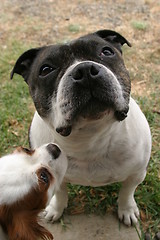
(24, 63)
(114, 37)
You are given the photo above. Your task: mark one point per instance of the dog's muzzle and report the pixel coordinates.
(88, 89)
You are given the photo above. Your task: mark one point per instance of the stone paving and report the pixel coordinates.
(87, 227)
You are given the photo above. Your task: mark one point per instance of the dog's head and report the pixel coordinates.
(85, 78)
(28, 179)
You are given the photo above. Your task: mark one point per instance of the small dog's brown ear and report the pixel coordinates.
(24, 63)
(24, 225)
(43, 233)
(112, 36)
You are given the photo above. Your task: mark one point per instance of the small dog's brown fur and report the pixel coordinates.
(20, 221)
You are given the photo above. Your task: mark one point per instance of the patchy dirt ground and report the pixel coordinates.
(43, 22)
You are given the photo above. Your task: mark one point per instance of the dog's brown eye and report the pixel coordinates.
(28, 151)
(107, 51)
(45, 70)
(44, 177)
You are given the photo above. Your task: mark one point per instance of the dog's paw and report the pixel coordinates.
(128, 215)
(51, 214)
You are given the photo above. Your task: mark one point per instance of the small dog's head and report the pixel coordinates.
(85, 78)
(28, 179)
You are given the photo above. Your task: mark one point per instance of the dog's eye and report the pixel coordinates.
(44, 177)
(45, 70)
(28, 151)
(107, 51)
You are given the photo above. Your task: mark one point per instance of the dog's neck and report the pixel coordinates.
(86, 135)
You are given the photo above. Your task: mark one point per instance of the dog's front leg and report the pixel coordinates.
(57, 204)
(127, 208)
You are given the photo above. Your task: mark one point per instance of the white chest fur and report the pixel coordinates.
(101, 152)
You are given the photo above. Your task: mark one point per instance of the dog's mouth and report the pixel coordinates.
(93, 109)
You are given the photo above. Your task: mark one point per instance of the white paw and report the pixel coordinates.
(51, 214)
(128, 215)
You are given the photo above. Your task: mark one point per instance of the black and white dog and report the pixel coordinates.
(81, 91)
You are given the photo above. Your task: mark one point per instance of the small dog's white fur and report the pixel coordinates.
(18, 175)
(102, 156)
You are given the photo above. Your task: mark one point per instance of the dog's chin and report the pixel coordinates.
(92, 116)
(89, 112)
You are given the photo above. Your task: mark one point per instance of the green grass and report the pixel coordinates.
(96, 200)
(15, 118)
(148, 193)
(15, 102)
(139, 25)
(76, 28)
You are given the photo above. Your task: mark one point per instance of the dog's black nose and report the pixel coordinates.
(53, 150)
(85, 71)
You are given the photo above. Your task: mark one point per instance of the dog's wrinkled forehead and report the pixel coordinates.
(84, 48)
(62, 56)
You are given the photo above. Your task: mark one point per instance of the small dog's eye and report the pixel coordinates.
(44, 177)
(107, 51)
(45, 70)
(28, 151)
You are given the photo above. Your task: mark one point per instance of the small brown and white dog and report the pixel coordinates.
(28, 179)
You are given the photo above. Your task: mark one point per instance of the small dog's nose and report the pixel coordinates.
(85, 71)
(53, 150)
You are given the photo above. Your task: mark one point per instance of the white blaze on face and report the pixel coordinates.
(59, 118)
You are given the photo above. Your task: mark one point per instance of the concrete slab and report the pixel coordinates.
(89, 227)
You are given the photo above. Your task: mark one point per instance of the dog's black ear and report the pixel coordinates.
(24, 63)
(112, 36)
